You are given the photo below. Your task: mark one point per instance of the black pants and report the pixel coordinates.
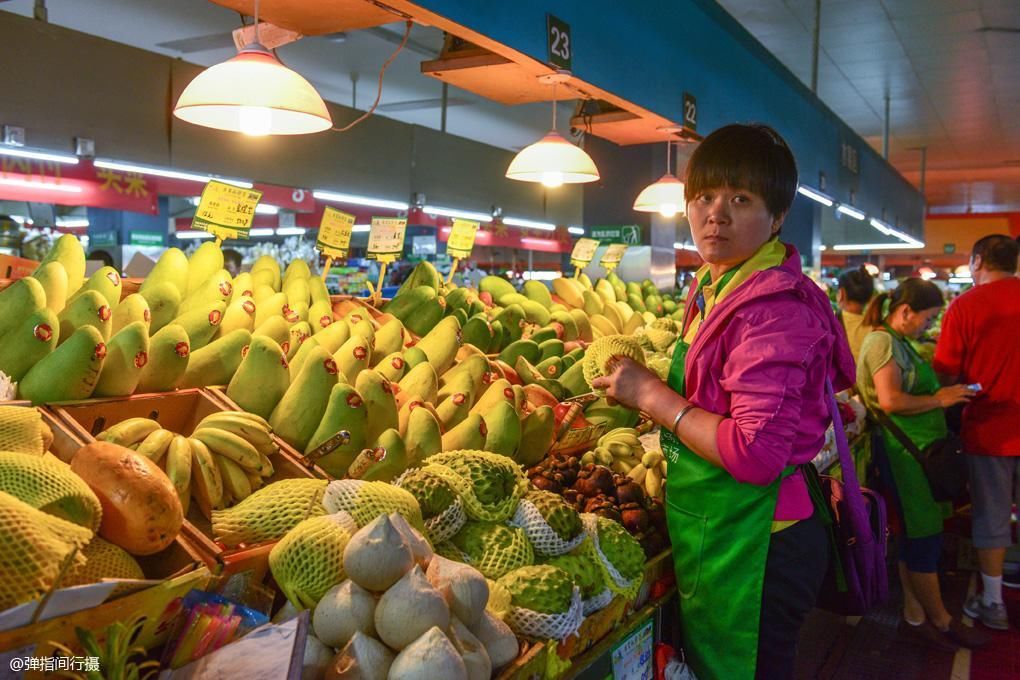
(797, 561)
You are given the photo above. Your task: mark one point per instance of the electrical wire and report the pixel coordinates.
(382, 72)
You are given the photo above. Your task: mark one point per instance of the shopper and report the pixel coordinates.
(232, 261)
(743, 405)
(980, 344)
(855, 290)
(893, 378)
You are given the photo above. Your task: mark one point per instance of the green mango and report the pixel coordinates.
(419, 382)
(535, 313)
(383, 462)
(201, 324)
(392, 367)
(163, 300)
(582, 327)
(269, 308)
(469, 435)
(216, 363)
(300, 333)
(216, 288)
(570, 325)
(414, 356)
(460, 315)
(171, 267)
(551, 368)
(169, 354)
(107, 282)
(69, 372)
(333, 336)
(262, 377)
(554, 388)
(539, 292)
(424, 275)
(475, 367)
(131, 309)
(19, 300)
(266, 267)
(53, 278)
(528, 349)
(496, 286)
(345, 412)
(28, 343)
(455, 408)
(441, 344)
(388, 340)
(127, 353)
(498, 337)
(317, 289)
(459, 298)
(513, 320)
(67, 251)
(551, 348)
(527, 372)
(88, 309)
(543, 334)
(424, 436)
(353, 357)
(636, 303)
(478, 332)
(573, 380)
(538, 432)
(503, 427)
(276, 328)
(297, 416)
(239, 315)
(203, 263)
(377, 392)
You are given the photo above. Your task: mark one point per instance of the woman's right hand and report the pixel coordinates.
(951, 395)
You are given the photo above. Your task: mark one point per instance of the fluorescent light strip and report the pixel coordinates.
(72, 222)
(906, 238)
(261, 231)
(170, 174)
(542, 276)
(361, 228)
(881, 226)
(17, 152)
(359, 200)
(193, 233)
(453, 212)
(42, 186)
(685, 246)
(814, 195)
(875, 246)
(823, 248)
(291, 231)
(961, 279)
(266, 209)
(578, 231)
(852, 212)
(528, 224)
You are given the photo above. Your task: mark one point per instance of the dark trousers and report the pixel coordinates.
(797, 561)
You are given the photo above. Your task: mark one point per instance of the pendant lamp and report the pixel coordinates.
(553, 160)
(664, 196)
(253, 93)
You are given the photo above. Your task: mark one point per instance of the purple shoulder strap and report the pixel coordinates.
(851, 487)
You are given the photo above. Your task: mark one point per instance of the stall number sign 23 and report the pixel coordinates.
(561, 53)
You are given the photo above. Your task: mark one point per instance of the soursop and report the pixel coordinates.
(492, 477)
(494, 549)
(542, 588)
(621, 549)
(562, 518)
(660, 339)
(270, 512)
(601, 352)
(434, 494)
(309, 559)
(585, 572)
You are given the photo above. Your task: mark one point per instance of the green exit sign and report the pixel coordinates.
(630, 234)
(146, 238)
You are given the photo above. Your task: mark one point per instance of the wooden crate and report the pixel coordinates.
(529, 665)
(179, 411)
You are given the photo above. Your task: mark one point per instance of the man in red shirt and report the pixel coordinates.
(980, 343)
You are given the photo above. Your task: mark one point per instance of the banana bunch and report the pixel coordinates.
(224, 460)
(619, 449)
(651, 474)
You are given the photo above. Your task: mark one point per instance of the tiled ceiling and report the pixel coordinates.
(951, 69)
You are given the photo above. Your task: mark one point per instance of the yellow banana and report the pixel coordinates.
(267, 466)
(178, 468)
(128, 432)
(603, 456)
(622, 466)
(244, 428)
(652, 458)
(662, 466)
(206, 481)
(155, 445)
(254, 479)
(231, 446)
(255, 418)
(235, 481)
(638, 473)
(618, 449)
(653, 483)
(588, 458)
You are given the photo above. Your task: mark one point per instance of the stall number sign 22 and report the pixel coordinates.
(561, 53)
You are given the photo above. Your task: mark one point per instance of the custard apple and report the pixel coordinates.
(583, 570)
(602, 352)
(493, 548)
(563, 519)
(434, 494)
(542, 588)
(491, 476)
(621, 549)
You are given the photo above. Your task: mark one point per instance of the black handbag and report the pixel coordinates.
(943, 461)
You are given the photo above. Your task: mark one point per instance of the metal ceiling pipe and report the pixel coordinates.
(885, 130)
(815, 46)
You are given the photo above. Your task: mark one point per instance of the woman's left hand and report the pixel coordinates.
(630, 383)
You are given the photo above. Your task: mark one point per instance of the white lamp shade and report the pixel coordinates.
(665, 196)
(255, 94)
(553, 161)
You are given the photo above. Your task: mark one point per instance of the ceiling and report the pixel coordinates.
(949, 67)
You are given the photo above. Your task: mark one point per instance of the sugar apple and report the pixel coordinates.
(621, 549)
(494, 548)
(601, 352)
(492, 476)
(583, 570)
(563, 519)
(434, 494)
(542, 588)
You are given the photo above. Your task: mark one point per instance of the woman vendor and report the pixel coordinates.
(743, 405)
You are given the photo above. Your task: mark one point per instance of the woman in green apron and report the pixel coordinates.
(743, 405)
(893, 378)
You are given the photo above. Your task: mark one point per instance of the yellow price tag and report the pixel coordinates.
(225, 210)
(614, 253)
(462, 238)
(386, 240)
(584, 251)
(335, 233)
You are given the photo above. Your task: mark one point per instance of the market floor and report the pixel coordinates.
(879, 646)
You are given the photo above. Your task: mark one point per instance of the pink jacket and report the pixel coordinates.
(760, 359)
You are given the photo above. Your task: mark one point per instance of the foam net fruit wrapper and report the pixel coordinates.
(309, 560)
(547, 626)
(367, 500)
(270, 512)
(104, 560)
(443, 526)
(598, 602)
(464, 486)
(614, 579)
(33, 547)
(21, 430)
(501, 559)
(48, 484)
(543, 537)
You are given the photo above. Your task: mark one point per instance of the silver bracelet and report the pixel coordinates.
(679, 417)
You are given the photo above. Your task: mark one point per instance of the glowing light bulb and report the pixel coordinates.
(255, 121)
(668, 209)
(552, 179)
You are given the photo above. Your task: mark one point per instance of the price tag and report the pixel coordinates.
(614, 253)
(632, 658)
(226, 211)
(584, 251)
(386, 240)
(462, 238)
(335, 233)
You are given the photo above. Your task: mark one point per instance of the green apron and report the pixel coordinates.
(922, 515)
(720, 529)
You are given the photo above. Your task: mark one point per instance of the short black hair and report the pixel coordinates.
(753, 157)
(997, 251)
(858, 284)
